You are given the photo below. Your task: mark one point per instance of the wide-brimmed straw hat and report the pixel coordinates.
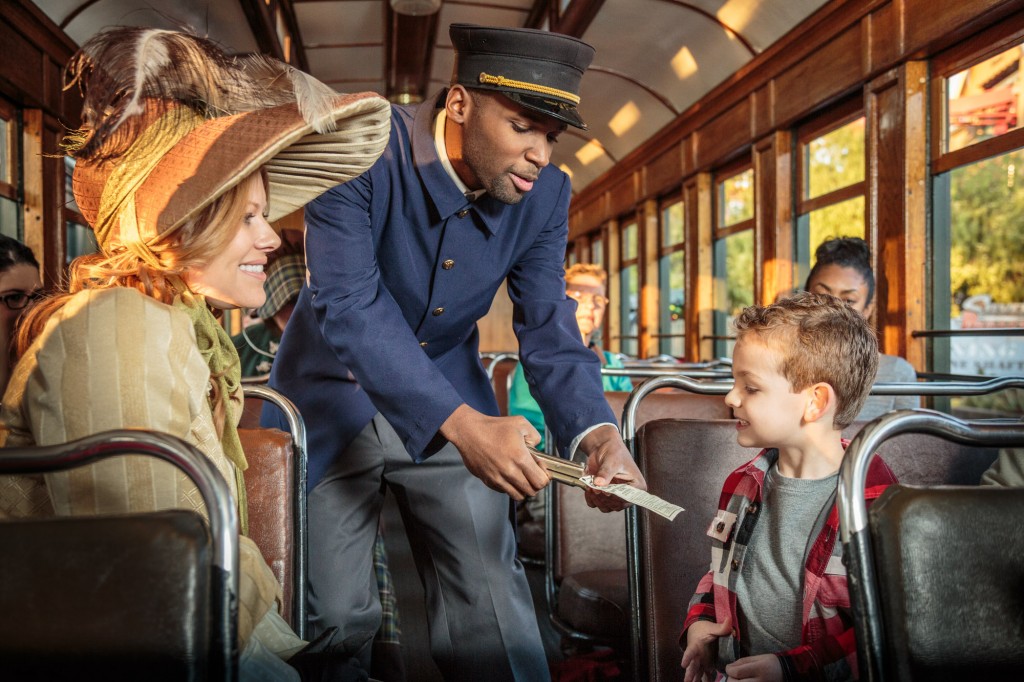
(151, 157)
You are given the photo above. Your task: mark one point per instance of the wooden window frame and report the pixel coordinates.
(663, 251)
(821, 125)
(975, 50)
(722, 174)
(633, 218)
(8, 112)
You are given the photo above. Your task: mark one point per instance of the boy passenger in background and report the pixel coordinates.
(775, 605)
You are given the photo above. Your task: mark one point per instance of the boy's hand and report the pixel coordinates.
(699, 658)
(762, 668)
(609, 461)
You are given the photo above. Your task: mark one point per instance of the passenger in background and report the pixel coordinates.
(1007, 470)
(168, 176)
(774, 605)
(585, 284)
(257, 344)
(19, 286)
(843, 268)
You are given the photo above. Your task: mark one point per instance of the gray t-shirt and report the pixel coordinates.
(769, 592)
(891, 369)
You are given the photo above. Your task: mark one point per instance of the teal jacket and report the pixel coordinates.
(522, 403)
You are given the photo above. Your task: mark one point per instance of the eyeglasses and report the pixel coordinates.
(17, 300)
(597, 301)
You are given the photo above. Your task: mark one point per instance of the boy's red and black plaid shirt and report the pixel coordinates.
(828, 649)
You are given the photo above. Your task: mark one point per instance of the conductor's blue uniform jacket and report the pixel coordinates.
(401, 267)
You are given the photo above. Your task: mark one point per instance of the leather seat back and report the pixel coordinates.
(270, 488)
(949, 563)
(109, 597)
(685, 462)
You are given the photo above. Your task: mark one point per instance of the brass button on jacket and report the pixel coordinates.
(448, 264)
(463, 213)
(438, 311)
(423, 344)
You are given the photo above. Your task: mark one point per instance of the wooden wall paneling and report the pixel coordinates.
(624, 196)
(32, 173)
(773, 217)
(55, 248)
(822, 77)
(723, 135)
(916, 210)
(585, 217)
(496, 335)
(43, 192)
(896, 109)
(763, 114)
(884, 36)
(689, 154)
(23, 83)
(613, 260)
(650, 299)
(932, 24)
(699, 196)
(663, 172)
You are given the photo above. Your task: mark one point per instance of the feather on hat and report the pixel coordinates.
(171, 122)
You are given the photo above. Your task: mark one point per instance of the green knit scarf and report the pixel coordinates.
(226, 370)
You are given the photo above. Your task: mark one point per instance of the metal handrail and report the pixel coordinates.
(498, 357)
(300, 566)
(935, 388)
(220, 508)
(853, 516)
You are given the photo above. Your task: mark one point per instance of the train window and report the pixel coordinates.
(79, 239)
(736, 198)
(672, 279)
(733, 251)
(978, 208)
(9, 213)
(831, 175)
(979, 212)
(629, 288)
(983, 101)
(597, 250)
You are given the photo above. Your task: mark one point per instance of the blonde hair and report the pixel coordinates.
(192, 245)
(590, 269)
(819, 339)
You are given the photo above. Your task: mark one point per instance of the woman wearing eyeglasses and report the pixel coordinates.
(584, 283)
(19, 286)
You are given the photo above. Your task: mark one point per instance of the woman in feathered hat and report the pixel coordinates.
(184, 157)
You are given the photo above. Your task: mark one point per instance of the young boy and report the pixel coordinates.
(774, 605)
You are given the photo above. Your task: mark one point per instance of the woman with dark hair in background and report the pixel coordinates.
(19, 286)
(843, 268)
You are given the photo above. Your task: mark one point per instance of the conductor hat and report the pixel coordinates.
(538, 69)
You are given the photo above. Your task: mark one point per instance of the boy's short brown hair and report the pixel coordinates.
(820, 339)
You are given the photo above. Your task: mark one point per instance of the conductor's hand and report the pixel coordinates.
(494, 450)
(608, 461)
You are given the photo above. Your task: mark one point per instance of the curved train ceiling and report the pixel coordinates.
(655, 58)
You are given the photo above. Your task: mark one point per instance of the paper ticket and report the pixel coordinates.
(641, 498)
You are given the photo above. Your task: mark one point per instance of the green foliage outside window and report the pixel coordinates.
(987, 230)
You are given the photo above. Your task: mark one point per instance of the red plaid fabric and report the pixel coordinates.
(828, 649)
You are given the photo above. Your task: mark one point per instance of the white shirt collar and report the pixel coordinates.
(442, 154)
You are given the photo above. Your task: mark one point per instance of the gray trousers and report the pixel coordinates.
(480, 613)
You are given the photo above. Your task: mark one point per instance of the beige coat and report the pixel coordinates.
(111, 359)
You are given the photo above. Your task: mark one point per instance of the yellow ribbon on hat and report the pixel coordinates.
(116, 215)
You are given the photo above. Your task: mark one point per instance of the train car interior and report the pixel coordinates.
(728, 144)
